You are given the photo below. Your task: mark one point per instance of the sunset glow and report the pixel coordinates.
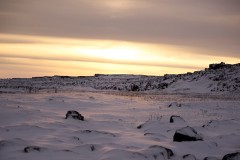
(39, 38)
(28, 56)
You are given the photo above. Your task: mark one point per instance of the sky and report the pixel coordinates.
(84, 37)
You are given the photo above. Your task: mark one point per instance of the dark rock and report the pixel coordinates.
(218, 65)
(186, 134)
(77, 138)
(74, 115)
(162, 85)
(175, 104)
(96, 132)
(189, 157)
(232, 156)
(67, 150)
(163, 151)
(140, 126)
(211, 158)
(31, 148)
(92, 148)
(134, 87)
(176, 119)
(207, 124)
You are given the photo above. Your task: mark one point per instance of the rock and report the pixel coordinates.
(157, 151)
(175, 104)
(218, 65)
(232, 156)
(134, 87)
(140, 126)
(74, 115)
(92, 147)
(189, 157)
(94, 132)
(31, 148)
(186, 134)
(211, 158)
(174, 119)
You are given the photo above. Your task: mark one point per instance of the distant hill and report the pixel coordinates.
(218, 78)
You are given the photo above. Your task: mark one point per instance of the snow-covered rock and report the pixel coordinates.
(175, 104)
(176, 119)
(74, 115)
(186, 134)
(159, 151)
(232, 156)
(31, 149)
(189, 157)
(211, 158)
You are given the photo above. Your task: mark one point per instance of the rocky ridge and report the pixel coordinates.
(217, 78)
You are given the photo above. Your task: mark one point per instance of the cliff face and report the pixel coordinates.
(217, 78)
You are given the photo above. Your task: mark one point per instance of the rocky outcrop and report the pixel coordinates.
(218, 65)
(217, 78)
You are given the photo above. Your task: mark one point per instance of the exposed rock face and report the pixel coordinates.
(218, 65)
(175, 119)
(186, 134)
(232, 156)
(74, 115)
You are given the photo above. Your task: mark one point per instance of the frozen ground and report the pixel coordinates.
(117, 126)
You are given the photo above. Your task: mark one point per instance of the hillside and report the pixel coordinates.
(217, 78)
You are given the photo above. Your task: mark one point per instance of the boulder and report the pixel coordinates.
(186, 134)
(74, 115)
(232, 156)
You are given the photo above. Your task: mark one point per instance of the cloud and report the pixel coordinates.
(210, 25)
(99, 60)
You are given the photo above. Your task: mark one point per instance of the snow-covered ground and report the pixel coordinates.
(117, 126)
